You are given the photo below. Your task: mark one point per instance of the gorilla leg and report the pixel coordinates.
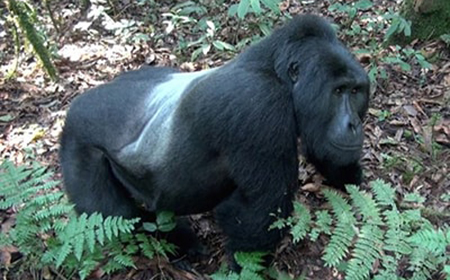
(91, 184)
(187, 244)
(246, 224)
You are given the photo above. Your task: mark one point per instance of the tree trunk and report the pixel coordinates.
(430, 19)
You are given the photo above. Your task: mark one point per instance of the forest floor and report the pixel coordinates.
(407, 129)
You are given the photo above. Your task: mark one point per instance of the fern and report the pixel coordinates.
(78, 236)
(49, 233)
(322, 225)
(433, 240)
(365, 253)
(369, 239)
(372, 229)
(384, 193)
(344, 232)
(365, 205)
(302, 218)
(252, 267)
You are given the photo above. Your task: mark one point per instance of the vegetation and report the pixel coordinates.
(372, 229)
(23, 19)
(429, 19)
(50, 234)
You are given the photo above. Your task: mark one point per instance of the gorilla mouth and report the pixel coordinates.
(346, 147)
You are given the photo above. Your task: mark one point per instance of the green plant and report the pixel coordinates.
(370, 228)
(446, 39)
(207, 41)
(23, 17)
(253, 6)
(251, 264)
(50, 234)
(351, 9)
(404, 57)
(398, 24)
(383, 115)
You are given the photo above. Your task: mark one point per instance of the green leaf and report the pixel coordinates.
(223, 45)
(256, 6)
(303, 222)
(352, 12)
(424, 64)
(107, 227)
(251, 261)
(64, 251)
(363, 4)
(414, 198)
(446, 38)
(232, 10)
(150, 227)
(336, 6)
(6, 118)
(392, 29)
(166, 221)
(273, 5)
(244, 5)
(407, 29)
(265, 29)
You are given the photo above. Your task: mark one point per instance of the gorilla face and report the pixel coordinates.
(331, 97)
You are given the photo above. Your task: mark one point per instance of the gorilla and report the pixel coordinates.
(223, 139)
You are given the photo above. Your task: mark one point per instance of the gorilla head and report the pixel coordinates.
(223, 139)
(330, 95)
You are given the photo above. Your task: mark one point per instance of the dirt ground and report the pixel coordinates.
(405, 144)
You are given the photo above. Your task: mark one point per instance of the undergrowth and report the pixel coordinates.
(49, 233)
(371, 235)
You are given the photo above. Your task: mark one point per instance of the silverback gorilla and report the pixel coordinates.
(223, 139)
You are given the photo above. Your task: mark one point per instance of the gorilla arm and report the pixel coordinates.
(249, 122)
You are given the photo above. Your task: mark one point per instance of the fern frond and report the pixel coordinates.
(108, 228)
(87, 267)
(366, 252)
(250, 261)
(389, 269)
(55, 211)
(145, 245)
(422, 264)
(345, 229)
(18, 184)
(249, 275)
(384, 193)
(366, 205)
(395, 237)
(79, 236)
(125, 260)
(340, 207)
(302, 223)
(323, 224)
(433, 240)
(339, 244)
(63, 252)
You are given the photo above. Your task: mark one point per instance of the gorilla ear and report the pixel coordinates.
(293, 72)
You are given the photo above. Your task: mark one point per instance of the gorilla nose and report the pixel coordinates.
(354, 125)
(350, 125)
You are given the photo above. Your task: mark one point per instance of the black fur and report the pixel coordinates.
(227, 141)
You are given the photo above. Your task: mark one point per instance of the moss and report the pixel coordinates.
(430, 21)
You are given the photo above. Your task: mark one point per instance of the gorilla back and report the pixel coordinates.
(222, 139)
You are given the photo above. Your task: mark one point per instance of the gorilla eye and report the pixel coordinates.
(339, 90)
(293, 72)
(354, 91)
